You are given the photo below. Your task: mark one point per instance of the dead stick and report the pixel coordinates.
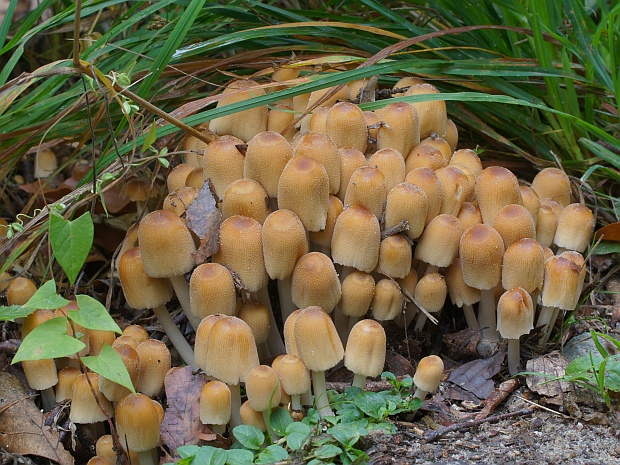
(434, 435)
(400, 227)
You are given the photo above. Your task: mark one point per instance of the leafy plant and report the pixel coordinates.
(336, 439)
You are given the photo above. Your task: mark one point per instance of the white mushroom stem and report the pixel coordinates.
(48, 399)
(274, 343)
(176, 337)
(235, 405)
(320, 394)
(181, 289)
(487, 315)
(514, 356)
(341, 322)
(359, 381)
(470, 317)
(547, 318)
(420, 394)
(306, 398)
(296, 402)
(146, 457)
(286, 302)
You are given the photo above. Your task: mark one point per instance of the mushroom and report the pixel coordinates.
(367, 188)
(427, 376)
(399, 128)
(262, 387)
(215, 406)
(575, 227)
(350, 160)
(392, 164)
(432, 113)
(427, 180)
(553, 183)
(137, 425)
(407, 202)
(346, 126)
(365, 351)
(515, 317)
(155, 361)
(294, 377)
(223, 163)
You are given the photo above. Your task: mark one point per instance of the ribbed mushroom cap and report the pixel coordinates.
(400, 129)
(350, 160)
(452, 134)
(456, 189)
(394, 256)
(356, 239)
(252, 417)
(137, 332)
(256, 316)
(126, 340)
(523, 266)
(84, 408)
(552, 183)
(212, 290)
(284, 241)
(178, 175)
(247, 123)
(496, 187)
(391, 163)
(548, 219)
(530, 201)
(431, 292)
(315, 282)
(294, 375)
(141, 291)
(41, 374)
(35, 319)
(321, 148)
(265, 158)
(289, 333)
(515, 313)
(424, 156)
(439, 243)
(427, 180)
(324, 238)
(64, 387)
(246, 197)
(513, 223)
(562, 283)
(467, 158)
(432, 113)
(358, 289)
(137, 423)
(20, 290)
(387, 303)
(407, 202)
(318, 120)
(343, 94)
(131, 360)
(460, 293)
(469, 215)
(304, 189)
(155, 361)
(230, 339)
(215, 403)
(481, 250)
(366, 346)
(408, 283)
(279, 118)
(263, 388)
(223, 163)
(317, 340)
(575, 227)
(45, 163)
(367, 188)
(241, 250)
(346, 126)
(404, 83)
(202, 336)
(166, 245)
(429, 373)
(440, 144)
(196, 179)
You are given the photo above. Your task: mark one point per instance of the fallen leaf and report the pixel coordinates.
(497, 397)
(462, 344)
(398, 364)
(22, 429)
(182, 425)
(611, 232)
(476, 376)
(550, 366)
(204, 219)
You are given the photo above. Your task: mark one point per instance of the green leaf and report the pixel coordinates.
(312, 417)
(109, 365)
(280, 419)
(249, 437)
(327, 451)
(188, 451)
(612, 375)
(297, 434)
(606, 247)
(48, 340)
(46, 298)
(151, 137)
(239, 457)
(93, 315)
(371, 403)
(348, 434)
(208, 455)
(14, 311)
(272, 454)
(71, 242)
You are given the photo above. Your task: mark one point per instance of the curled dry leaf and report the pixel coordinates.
(182, 425)
(476, 376)
(204, 219)
(550, 366)
(22, 429)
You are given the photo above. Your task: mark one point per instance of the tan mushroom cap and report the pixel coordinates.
(141, 291)
(469, 215)
(496, 187)
(41, 374)
(394, 256)
(366, 348)
(467, 158)
(166, 245)
(155, 361)
(318, 120)
(284, 241)
(427, 180)
(515, 313)
(289, 333)
(388, 301)
(279, 118)
(256, 316)
(64, 387)
(317, 340)
(356, 239)
(20, 290)
(407, 202)
(432, 113)
(562, 283)
(575, 227)
(424, 156)
(215, 403)
(440, 144)
(137, 332)
(400, 129)
(350, 160)
(202, 336)
(481, 250)
(324, 238)
(137, 423)
(530, 201)
(367, 188)
(456, 189)
(553, 183)
(321, 148)
(346, 126)
(265, 158)
(252, 417)
(126, 340)
(391, 163)
(223, 163)
(358, 289)
(262, 387)
(294, 375)
(212, 290)
(523, 266)
(246, 197)
(84, 407)
(314, 282)
(452, 134)
(513, 223)
(460, 293)
(429, 373)
(548, 219)
(431, 292)
(178, 176)
(131, 360)
(439, 243)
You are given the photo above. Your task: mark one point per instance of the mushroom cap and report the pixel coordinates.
(317, 340)
(137, 332)
(367, 188)
(289, 333)
(432, 113)
(84, 407)
(166, 245)
(212, 290)
(137, 423)
(66, 377)
(481, 250)
(562, 283)
(266, 156)
(394, 256)
(263, 388)
(467, 158)
(514, 222)
(321, 148)
(356, 239)
(408, 202)
(256, 316)
(366, 347)
(553, 183)
(350, 160)
(294, 375)
(431, 292)
(346, 126)
(575, 227)
(391, 163)
(531, 202)
(429, 373)
(439, 243)
(427, 180)
(469, 215)
(140, 289)
(460, 293)
(245, 197)
(424, 156)
(223, 163)
(387, 303)
(315, 282)
(524, 265)
(358, 289)
(548, 218)
(202, 336)
(130, 358)
(496, 187)
(456, 188)
(215, 403)
(400, 129)
(323, 238)
(41, 374)
(155, 361)
(20, 290)
(284, 241)
(252, 417)
(515, 313)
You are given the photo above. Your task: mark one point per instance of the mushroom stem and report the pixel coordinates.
(547, 318)
(420, 322)
(296, 402)
(514, 356)
(146, 457)
(286, 302)
(176, 337)
(48, 399)
(218, 429)
(341, 321)
(470, 317)
(420, 393)
(487, 315)
(235, 405)
(306, 398)
(359, 381)
(320, 394)
(274, 343)
(181, 289)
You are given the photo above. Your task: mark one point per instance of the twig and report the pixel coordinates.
(400, 227)
(534, 404)
(434, 435)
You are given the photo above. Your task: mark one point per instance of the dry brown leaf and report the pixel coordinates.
(182, 425)
(550, 366)
(497, 397)
(462, 344)
(476, 376)
(611, 232)
(204, 219)
(22, 430)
